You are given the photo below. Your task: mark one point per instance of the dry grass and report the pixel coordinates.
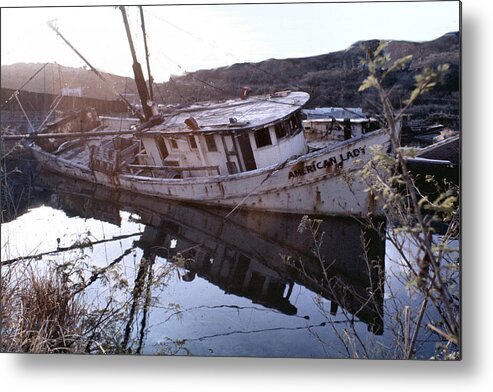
(39, 312)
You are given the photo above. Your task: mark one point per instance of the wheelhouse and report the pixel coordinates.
(225, 138)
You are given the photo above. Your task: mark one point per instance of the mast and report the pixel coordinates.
(151, 79)
(138, 74)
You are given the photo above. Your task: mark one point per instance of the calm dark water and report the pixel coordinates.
(184, 280)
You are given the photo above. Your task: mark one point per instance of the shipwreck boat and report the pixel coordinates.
(248, 152)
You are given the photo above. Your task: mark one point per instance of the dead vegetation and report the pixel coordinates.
(40, 313)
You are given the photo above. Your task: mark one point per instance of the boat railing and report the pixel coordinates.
(172, 171)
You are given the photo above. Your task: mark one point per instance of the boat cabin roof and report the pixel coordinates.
(234, 115)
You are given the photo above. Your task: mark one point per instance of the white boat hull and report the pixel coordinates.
(325, 182)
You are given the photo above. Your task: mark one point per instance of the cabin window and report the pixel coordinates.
(346, 124)
(211, 142)
(174, 144)
(295, 123)
(262, 137)
(281, 130)
(161, 145)
(192, 142)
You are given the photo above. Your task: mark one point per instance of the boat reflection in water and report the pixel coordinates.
(258, 256)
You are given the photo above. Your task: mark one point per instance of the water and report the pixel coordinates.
(169, 278)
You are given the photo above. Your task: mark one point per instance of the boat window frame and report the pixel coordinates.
(192, 143)
(161, 146)
(279, 128)
(295, 123)
(259, 134)
(210, 141)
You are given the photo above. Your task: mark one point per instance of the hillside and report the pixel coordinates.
(331, 79)
(54, 76)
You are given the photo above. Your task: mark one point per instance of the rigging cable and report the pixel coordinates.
(57, 100)
(14, 94)
(227, 53)
(237, 58)
(24, 112)
(132, 109)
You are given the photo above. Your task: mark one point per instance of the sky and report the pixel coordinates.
(186, 38)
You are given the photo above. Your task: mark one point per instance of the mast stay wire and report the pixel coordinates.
(58, 98)
(242, 114)
(14, 94)
(237, 59)
(182, 69)
(133, 110)
(203, 81)
(53, 105)
(137, 39)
